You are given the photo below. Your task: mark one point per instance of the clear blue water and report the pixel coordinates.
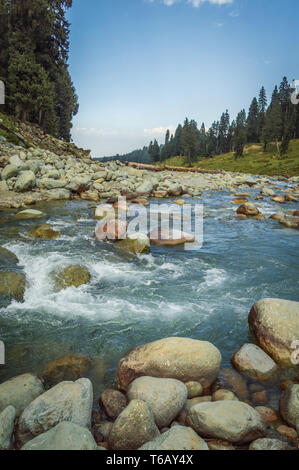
(204, 294)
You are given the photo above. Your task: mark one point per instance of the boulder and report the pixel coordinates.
(274, 324)
(67, 368)
(67, 401)
(183, 359)
(113, 402)
(91, 195)
(134, 427)
(45, 232)
(25, 180)
(51, 183)
(223, 394)
(290, 221)
(177, 438)
(58, 194)
(289, 405)
(135, 243)
(248, 209)
(12, 286)
(72, 276)
(267, 192)
(19, 392)
(105, 211)
(269, 415)
(145, 188)
(279, 199)
(7, 420)
(166, 397)
(268, 444)
(29, 214)
(169, 237)
(9, 172)
(64, 436)
(7, 257)
(233, 421)
(253, 362)
(191, 402)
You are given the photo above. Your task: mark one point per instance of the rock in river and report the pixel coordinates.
(70, 367)
(7, 257)
(12, 286)
(44, 232)
(114, 402)
(134, 427)
(165, 237)
(177, 438)
(289, 405)
(183, 359)
(67, 401)
(248, 209)
(233, 421)
(253, 362)
(135, 243)
(19, 392)
(166, 397)
(72, 276)
(274, 324)
(7, 419)
(64, 436)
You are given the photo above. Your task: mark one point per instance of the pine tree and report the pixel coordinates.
(190, 140)
(253, 122)
(262, 107)
(240, 134)
(273, 126)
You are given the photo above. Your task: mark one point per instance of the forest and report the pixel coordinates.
(34, 46)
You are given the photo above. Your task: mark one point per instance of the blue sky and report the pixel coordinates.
(142, 66)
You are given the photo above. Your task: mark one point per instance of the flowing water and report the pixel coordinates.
(204, 294)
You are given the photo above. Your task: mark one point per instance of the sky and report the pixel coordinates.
(142, 66)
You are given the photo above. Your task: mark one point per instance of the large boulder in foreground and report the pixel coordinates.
(177, 438)
(289, 405)
(183, 359)
(64, 436)
(67, 401)
(274, 324)
(20, 391)
(253, 362)
(232, 421)
(134, 427)
(166, 397)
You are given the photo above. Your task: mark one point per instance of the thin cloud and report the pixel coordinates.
(194, 3)
(158, 130)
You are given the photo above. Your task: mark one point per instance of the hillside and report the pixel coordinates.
(254, 161)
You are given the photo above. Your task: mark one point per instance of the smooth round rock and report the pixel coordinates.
(114, 402)
(289, 405)
(7, 419)
(253, 362)
(268, 444)
(183, 359)
(177, 438)
(166, 397)
(19, 392)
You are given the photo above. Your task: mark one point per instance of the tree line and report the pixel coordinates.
(277, 122)
(34, 46)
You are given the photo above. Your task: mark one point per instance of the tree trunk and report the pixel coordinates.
(278, 148)
(23, 114)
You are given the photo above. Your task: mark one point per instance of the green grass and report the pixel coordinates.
(254, 161)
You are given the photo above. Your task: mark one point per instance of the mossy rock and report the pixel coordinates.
(66, 368)
(136, 243)
(72, 276)
(12, 286)
(7, 257)
(45, 232)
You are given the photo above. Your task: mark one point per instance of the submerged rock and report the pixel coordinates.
(183, 359)
(64, 436)
(232, 380)
(7, 257)
(19, 392)
(44, 232)
(177, 438)
(253, 362)
(274, 324)
(72, 276)
(12, 286)
(67, 401)
(233, 421)
(7, 419)
(166, 397)
(134, 427)
(70, 367)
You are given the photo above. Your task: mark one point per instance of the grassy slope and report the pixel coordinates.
(254, 161)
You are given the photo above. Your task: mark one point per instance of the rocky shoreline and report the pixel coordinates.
(171, 394)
